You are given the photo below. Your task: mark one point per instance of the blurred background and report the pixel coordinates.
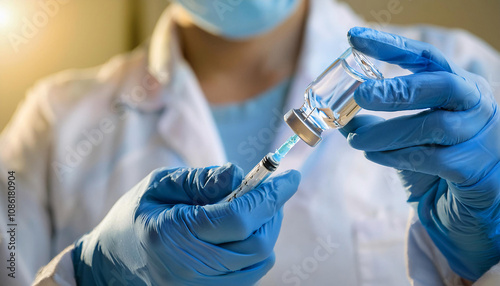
(41, 37)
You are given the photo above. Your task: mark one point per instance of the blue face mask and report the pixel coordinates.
(239, 19)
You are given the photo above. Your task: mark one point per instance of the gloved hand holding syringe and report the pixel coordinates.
(263, 170)
(329, 104)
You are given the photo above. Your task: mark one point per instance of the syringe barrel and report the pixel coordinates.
(255, 177)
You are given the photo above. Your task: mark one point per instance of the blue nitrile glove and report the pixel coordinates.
(448, 155)
(168, 231)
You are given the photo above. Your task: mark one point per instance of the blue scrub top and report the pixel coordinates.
(248, 128)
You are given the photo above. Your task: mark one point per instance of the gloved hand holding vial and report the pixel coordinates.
(458, 205)
(447, 155)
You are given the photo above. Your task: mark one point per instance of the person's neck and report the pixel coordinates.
(233, 71)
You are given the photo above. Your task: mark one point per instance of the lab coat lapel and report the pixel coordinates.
(187, 125)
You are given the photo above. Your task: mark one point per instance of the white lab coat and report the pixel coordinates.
(83, 138)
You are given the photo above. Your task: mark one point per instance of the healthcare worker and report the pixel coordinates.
(211, 86)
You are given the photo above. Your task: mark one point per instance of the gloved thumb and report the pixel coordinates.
(410, 54)
(359, 121)
(211, 185)
(190, 186)
(237, 220)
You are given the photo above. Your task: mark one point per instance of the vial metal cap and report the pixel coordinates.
(304, 128)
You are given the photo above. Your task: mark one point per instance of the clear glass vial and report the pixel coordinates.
(329, 99)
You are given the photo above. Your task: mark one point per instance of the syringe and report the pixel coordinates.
(263, 170)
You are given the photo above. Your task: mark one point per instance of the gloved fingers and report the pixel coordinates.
(208, 186)
(244, 277)
(427, 127)
(480, 195)
(175, 240)
(237, 220)
(462, 164)
(193, 186)
(422, 159)
(437, 90)
(410, 54)
(257, 247)
(362, 120)
(417, 184)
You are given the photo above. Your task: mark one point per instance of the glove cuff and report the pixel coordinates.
(83, 271)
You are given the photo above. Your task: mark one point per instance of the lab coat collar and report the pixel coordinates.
(146, 88)
(186, 124)
(164, 49)
(150, 71)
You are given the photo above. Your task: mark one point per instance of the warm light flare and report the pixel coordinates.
(5, 16)
(8, 16)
